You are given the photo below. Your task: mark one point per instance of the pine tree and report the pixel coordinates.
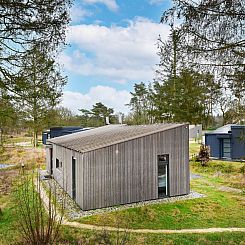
(39, 88)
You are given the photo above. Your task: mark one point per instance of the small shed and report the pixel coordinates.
(119, 164)
(227, 142)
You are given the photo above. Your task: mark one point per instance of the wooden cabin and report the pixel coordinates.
(119, 164)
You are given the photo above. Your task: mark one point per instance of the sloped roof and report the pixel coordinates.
(223, 130)
(96, 138)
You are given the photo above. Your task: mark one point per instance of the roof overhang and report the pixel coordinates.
(223, 136)
(48, 146)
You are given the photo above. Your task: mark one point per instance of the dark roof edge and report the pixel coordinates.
(217, 133)
(237, 126)
(129, 139)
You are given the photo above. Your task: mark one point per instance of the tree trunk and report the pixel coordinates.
(35, 138)
(223, 115)
(1, 137)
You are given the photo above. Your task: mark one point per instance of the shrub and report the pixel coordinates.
(38, 224)
(204, 154)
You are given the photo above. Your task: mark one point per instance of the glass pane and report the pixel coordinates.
(226, 141)
(227, 148)
(227, 155)
(163, 161)
(161, 169)
(162, 180)
(227, 151)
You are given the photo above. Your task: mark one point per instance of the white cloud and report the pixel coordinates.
(110, 4)
(78, 13)
(117, 53)
(107, 95)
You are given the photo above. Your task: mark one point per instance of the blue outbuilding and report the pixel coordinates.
(227, 142)
(60, 131)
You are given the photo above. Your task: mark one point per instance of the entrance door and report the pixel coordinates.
(73, 178)
(163, 161)
(226, 148)
(51, 160)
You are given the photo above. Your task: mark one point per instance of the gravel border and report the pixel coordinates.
(73, 211)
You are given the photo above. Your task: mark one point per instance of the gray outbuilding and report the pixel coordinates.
(227, 142)
(119, 164)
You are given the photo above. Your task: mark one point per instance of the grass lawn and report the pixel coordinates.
(17, 139)
(217, 209)
(193, 148)
(19, 155)
(73, 236)
(8, 234)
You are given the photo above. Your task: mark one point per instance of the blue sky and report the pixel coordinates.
(112, 45)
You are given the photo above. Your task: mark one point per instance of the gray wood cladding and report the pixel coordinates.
(126, 172)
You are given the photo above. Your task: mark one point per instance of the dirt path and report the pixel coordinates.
(208, 230)
(100, 228)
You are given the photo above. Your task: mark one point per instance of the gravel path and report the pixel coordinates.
(100, 228)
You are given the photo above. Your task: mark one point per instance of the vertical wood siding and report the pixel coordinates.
(64, 175)
(48, 162)
(125, 172)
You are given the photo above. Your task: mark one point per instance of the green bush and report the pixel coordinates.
(204, 154)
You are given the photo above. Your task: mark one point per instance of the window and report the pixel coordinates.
(73, 176)
(58, 163)
(226, 148)
(163, 161)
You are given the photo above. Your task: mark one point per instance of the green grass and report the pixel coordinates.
(69, 235)
(18, 139)
(8, 234)
(221, 172)
(218, 209)
(193, 148)
(195, 239)
(215, 166)
(73, 235)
